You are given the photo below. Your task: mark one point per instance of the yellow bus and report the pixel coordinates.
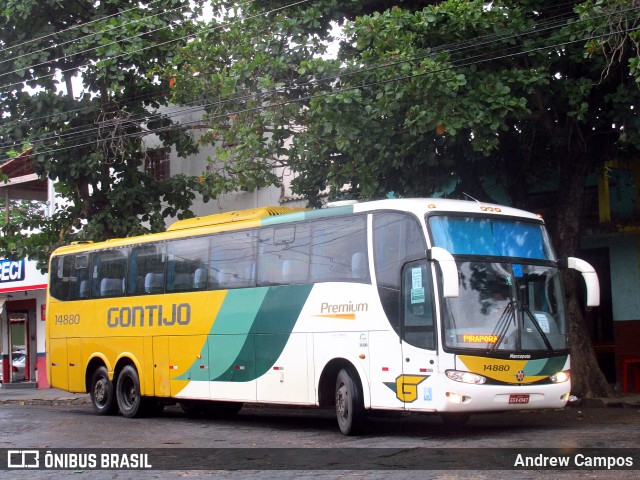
(424, 305)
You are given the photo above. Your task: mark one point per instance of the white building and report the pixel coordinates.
(23, 289)
(164, 162)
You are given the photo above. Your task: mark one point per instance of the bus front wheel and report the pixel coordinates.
(349, 405)
(128, 392)
(102, 394)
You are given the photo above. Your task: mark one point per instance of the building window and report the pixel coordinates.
(156, 163)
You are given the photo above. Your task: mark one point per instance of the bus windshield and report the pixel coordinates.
(506, 307)
(494, 237)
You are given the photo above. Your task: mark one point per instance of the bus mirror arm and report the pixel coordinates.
(588, 274)
(450, 285)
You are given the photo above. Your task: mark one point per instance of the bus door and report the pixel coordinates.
(58, 358)
(418, 332)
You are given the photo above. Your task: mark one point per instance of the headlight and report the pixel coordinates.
(465, 377)
(560, 377)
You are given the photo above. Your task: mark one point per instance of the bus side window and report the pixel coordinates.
(109, 273)
(59, 275)
(418, 327)
(397, 239)
(284, 254)
(80, 278)
(270, 264)
(233, 257)
(339, 250)
(146, 269)
(186, 265)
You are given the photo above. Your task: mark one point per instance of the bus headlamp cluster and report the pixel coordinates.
(560, 377)
(465, 377)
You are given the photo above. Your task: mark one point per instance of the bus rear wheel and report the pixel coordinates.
(128, 393)
(349, 405)
(101, 392)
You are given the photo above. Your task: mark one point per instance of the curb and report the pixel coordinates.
(581, 403)
(608, 403)
(605, 403)
(42, 401)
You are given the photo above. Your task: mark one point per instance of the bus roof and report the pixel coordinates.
(230, 217)
(277, 215)
(420, 206)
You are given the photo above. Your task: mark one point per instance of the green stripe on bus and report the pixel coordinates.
(269, 333)
(307, 215)
(544, 366)
(250, 333)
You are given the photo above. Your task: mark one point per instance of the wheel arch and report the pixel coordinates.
(125, 359)
(96, 361)
(327, 382)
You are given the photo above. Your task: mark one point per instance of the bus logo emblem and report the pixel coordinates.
(520, 375)
(406, 387)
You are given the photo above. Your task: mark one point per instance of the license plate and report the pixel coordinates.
(518, 399)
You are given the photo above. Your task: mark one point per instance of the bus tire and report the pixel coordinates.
(101, 392)
(349, 405)
(128, 393)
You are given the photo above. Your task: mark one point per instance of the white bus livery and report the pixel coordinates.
(422, 305)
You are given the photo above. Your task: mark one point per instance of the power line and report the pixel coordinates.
(185, 37)
(73, 27)
(100, 32)
(492, 38)
(467, 62)
(151, 96)
(347, 89)
(133, 121)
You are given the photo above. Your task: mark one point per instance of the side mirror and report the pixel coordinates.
(450, 284)
(590, 278)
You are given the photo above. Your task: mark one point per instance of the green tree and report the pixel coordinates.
(495, 100)
(90, 139)
(21, 212)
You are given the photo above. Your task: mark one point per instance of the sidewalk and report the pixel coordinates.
(53, 396)
(41, 396)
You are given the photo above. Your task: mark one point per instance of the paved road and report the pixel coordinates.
(75, 427)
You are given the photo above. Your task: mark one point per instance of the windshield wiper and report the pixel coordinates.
(508, 315)
(544, 337)
(502, 325)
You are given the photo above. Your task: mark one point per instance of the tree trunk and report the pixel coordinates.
(587, 380)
